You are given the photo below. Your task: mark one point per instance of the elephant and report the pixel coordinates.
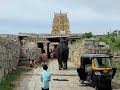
(61, 52)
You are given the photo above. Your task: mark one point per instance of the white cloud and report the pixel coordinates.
(86, 15)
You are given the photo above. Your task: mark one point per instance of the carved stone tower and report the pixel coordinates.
(60, 24)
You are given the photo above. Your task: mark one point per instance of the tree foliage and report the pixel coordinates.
(112, 39)
(117, 43)
(86, 35)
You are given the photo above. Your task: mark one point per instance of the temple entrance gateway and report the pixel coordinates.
(60, 24)
(40, 45)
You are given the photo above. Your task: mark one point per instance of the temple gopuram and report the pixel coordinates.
(60, 29)
(60, 24)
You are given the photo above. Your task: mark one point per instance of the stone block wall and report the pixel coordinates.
(29, 51)
(9, 53)
(28, 54)
(74, 53)
(86, 46)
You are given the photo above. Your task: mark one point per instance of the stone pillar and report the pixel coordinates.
(48, 53)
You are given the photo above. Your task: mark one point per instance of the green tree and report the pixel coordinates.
(117, 43)
(86, 35)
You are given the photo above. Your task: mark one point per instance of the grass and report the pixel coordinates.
(37, 65)
(116, 64)
(7, 82)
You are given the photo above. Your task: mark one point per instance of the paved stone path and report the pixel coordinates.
(31, 80)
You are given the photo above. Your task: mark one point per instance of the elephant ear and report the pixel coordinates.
(61, 48)
(57, 50)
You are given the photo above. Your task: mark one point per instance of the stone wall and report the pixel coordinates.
(9, 53)
(14, 51)
(74, 53)
(29, 50)
(116, 56)
(29, 53)
(86, 46)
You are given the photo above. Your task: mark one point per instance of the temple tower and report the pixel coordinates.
(60, 24)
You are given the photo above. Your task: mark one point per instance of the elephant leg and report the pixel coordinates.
(64, 65)
(60, 64)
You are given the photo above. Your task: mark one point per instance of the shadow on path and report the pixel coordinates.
(72, 68)
(86, 85)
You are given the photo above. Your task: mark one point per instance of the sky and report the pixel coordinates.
(35, 16)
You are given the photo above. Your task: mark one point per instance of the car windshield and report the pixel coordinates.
(102, 62)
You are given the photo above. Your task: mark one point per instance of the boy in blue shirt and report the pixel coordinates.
(45, 78)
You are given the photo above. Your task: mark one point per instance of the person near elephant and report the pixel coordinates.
(31, 63)
(51, 55)
(62, 51)
(43, 57)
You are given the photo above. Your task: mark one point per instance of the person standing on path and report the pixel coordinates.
(45, 77)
